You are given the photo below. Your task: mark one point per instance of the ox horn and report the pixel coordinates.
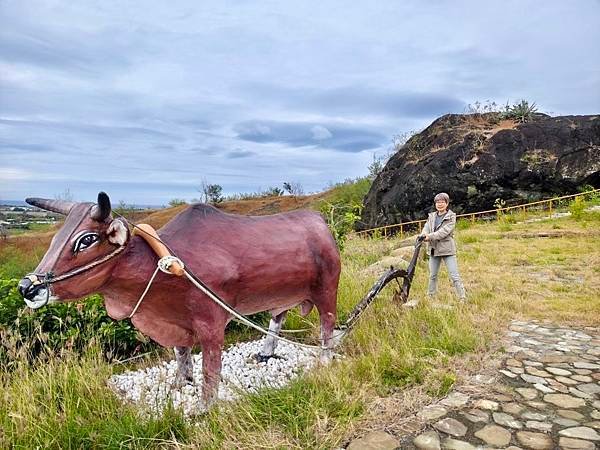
(57, 206)
(102, 209)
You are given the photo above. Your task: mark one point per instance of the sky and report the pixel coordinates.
(146, 100)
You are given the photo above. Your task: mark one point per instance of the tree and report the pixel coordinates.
(293, 188)
(211, 193)
(375, 167)
(214, 193)
(177, 202)
(65, 195)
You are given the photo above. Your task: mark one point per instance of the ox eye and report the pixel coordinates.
(85, 241)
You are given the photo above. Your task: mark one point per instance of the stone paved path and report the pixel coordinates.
(547, 397)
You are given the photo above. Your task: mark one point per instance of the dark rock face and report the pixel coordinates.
(477, 159)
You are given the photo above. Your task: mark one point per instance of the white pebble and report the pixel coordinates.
(152, 388)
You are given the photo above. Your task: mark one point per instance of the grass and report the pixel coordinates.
(65, 404)
(391, 352)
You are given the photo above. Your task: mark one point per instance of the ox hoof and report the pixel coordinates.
(326, 357)
(264, 358)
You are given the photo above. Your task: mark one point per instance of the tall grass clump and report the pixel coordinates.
(65, 404)
(577, 207)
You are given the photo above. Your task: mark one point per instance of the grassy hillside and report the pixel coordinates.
(396, 359)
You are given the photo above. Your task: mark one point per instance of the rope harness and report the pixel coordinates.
(49, 278)
(171, 264)
(166, 263)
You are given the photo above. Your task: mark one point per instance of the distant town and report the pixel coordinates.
(17, 218)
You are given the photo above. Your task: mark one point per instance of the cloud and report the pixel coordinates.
(320, 132)
(235, 154)
(19, 146)
(355, 101)
(300, 134)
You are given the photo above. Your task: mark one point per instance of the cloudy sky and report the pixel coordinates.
(146, 99)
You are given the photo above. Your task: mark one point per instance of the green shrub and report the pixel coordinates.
(73, 326)
(592, 198)
(343, 206)
(464, 224)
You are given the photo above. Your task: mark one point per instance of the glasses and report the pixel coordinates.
(440, 201)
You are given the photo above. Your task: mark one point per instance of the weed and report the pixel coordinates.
(577, 208)
(522, 111)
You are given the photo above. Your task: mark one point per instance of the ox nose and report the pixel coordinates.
(27, 289)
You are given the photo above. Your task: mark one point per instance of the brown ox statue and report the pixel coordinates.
(269, 263)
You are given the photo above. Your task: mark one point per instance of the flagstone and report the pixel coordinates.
(507, 420)
(429, 440)
(540, 426)
(585, 365)
(486, 404)
(451, 426)
(527, 393)
(512, 408)
(476, 415)
(581, 433)
(432, 412)
(376, 440)
(494, 435)
(582, 378)
(558, 371)
(564, 401)
(453, 444)
(575, 444)
(569, 414)
(536, 441)
(455, 399)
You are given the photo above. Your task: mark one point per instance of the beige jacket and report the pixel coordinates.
(441, 240)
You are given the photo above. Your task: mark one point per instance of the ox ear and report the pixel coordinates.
(117, 232)
(101, 210)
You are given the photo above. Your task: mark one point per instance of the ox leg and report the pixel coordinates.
(185, 367)
(271, 342)
(325, 303)
(211, 366)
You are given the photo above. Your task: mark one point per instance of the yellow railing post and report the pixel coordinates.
(550, 207)
(401, 231)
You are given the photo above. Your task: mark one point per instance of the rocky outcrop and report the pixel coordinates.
(478, 158)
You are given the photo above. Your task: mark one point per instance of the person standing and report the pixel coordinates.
(438, 232)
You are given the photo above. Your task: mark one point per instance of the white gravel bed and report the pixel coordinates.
(152, 388)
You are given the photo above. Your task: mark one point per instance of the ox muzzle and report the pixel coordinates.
(35, 291)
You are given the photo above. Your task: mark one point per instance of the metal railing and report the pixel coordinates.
(391, 229)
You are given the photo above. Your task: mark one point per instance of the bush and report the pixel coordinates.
(577, 208)
(73, 326)
(177, 202)
(343, 206)
(593, 198)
